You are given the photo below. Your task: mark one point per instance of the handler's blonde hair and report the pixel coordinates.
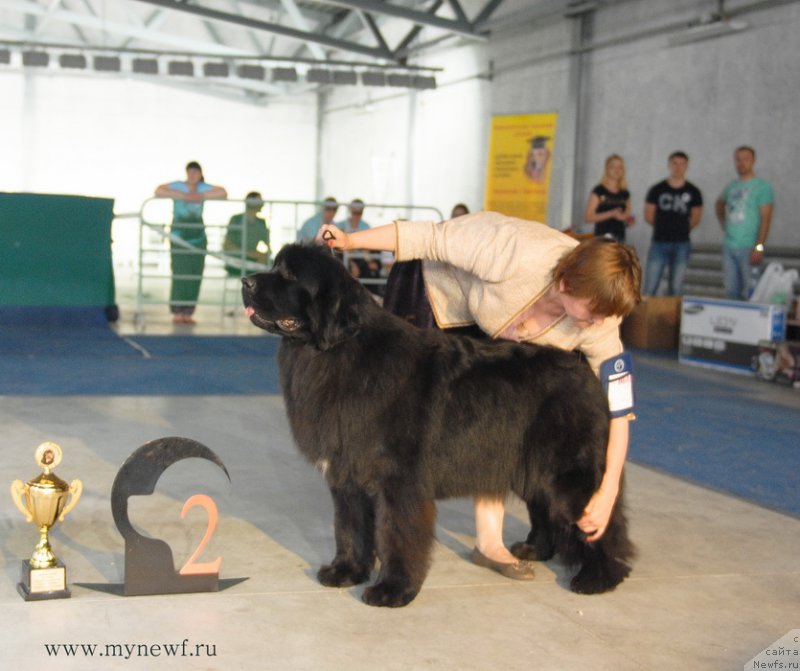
(606, 272)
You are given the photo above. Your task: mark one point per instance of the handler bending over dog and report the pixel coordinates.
(522, 281)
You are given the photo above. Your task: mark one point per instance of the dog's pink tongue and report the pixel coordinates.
(249, 312)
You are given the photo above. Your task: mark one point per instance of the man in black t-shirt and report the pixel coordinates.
(673, 207)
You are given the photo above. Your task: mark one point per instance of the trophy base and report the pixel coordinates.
(40, 584)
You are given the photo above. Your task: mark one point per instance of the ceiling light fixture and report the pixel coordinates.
(35, 59)
(72, 61)
(145, 66)
(181, 68)
(284, 75)
(107, 64)
(143, 62)
(216, 69)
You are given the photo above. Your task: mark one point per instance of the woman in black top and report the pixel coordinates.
(609, 207)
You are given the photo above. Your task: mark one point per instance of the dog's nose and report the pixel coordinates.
(249, 282)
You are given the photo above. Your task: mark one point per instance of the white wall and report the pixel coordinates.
(428, 148)
(120, 138)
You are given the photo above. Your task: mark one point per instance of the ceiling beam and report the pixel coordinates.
(376, 32)
(53, 6)
(417, 17)
(267, 26)
(301, 22)
(77, 29)
(543, 9)
(459, 12)
(402, 51)
(152, 22)
(32, 9)
(251, 34)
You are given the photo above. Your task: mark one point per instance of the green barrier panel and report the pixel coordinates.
(55, 250)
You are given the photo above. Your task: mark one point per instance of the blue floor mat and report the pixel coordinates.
(709, 429)
(41, 360)
(713, 432)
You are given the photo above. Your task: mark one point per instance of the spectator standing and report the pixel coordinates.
(187, 252)
(673, 207)
(744, 210)
(361, 264)
(609, 206)
(354, 221)
(326, 215)
(248, 232)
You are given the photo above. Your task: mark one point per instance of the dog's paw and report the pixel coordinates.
(341, 575)
(585, 583)
(591, 580)
(528, 552)
(389, 595)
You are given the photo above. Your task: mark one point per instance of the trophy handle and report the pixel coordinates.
(17, 489)
(76, 489)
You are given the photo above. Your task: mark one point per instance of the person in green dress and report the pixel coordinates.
(248, 232)
(187, 253)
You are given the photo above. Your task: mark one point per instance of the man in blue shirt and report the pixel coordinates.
(326, 215)
(744, 211)
(361, 264)
(354, 222)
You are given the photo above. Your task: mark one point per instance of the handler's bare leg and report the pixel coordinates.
(489, 515)
(489, 551)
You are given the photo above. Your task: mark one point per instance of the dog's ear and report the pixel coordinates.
(333, 314)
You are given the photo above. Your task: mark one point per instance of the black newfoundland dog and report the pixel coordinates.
(396, 417)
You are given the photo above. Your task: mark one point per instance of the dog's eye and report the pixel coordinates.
(288, 324)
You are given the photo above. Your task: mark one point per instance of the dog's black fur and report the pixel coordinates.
(398, 416)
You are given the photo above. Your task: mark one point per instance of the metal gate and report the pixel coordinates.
(284, 219)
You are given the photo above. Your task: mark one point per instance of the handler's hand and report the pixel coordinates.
(333, 236)
(596, 514)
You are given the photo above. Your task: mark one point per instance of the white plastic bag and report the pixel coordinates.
(776, 285)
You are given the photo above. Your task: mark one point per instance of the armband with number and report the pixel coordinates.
(616, 374)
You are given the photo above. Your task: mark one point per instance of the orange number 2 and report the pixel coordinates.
(191, 567)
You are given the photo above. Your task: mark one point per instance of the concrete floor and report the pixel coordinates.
(717, 578)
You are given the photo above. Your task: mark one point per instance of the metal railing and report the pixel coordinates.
(284, 218)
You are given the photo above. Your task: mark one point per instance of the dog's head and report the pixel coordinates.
(308, 296)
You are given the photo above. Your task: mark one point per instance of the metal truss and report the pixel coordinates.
(380, 34)
(310, 34)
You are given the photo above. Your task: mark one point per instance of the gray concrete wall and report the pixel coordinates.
(643, 99)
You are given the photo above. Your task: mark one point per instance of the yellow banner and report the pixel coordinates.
(520, 159)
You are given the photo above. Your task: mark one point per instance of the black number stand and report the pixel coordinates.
(149, 564)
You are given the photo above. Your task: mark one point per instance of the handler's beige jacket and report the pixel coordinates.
(487, 268)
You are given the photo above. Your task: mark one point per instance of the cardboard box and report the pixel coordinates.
(725, 334)
(654, 324)
(778, 362)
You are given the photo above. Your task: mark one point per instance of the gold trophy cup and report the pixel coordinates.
(43, 501)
